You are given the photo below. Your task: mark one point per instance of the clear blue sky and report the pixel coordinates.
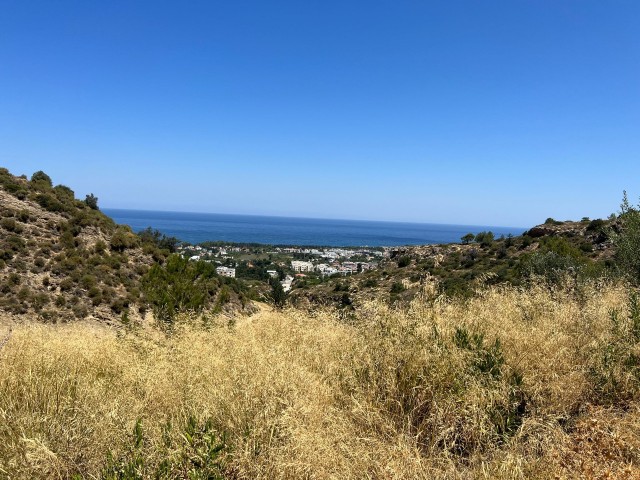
(473, 112)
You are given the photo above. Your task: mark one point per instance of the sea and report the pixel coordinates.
(203, 227)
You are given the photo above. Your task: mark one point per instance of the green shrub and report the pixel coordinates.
(627, 241)
(485, 239)
(40, 177)
(615, 364)
(179, 285)
(596, 225)
(404, 261)
(123, 239)
(91, 201)
(64, 194)
(10, 225)
(194, 453)
(50, 203)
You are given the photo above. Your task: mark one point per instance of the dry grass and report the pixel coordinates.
(425, 393)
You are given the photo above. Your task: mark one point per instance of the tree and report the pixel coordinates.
(91, 201)
(278, 295)
(627, 240)
(41, 177)
(468, 238)
(485, 238)
(404, 261)
(509, 241)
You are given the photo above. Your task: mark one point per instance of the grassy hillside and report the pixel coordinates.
(514, 383)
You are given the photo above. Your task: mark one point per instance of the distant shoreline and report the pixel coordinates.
(196, 228)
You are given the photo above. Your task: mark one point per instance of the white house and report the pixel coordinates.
(299, 266)
(226, 272)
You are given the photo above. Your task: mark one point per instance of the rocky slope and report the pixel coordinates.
(61, 258)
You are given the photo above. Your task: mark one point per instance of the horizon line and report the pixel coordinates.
(312, 218)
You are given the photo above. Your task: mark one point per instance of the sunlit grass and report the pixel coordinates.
(511, 384)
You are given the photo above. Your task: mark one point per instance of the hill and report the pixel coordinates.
(61, 258)
(507, 358)
(550, 250)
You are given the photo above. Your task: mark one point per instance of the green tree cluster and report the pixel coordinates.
(627, 240)
(182, 285)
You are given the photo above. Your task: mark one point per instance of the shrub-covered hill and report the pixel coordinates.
(61, 258)
(552, 250)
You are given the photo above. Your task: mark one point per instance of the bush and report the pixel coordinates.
(596, 225)
(24, 216)
(196, 454)
(627, 241)
(485, 239)
(50, 203)
(178, 286)
(91, 201)
(123, 239)
(40, 177)
(10, 225)
(615, 367)
(404, 261)
(551, 266)
(64, 194)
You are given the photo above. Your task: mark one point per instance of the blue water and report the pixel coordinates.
(201, 227)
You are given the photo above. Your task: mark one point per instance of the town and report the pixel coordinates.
(291, 265)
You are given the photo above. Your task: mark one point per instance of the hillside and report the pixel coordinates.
(500, 358)
(62, 259)
(551, 250)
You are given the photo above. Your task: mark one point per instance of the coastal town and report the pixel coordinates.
(288, 264)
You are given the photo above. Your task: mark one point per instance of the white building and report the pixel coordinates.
(226, 272)
(286, 283)
(350, 266)
(272, 273)
(299, 266)
(325, 269)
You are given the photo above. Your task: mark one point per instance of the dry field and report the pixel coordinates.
(512, 384)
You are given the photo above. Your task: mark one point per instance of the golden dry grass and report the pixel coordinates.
(382, 394)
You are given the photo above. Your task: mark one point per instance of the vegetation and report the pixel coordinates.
(512, 357)
(277, 296)
(513, 383)
(627, 241)
(181, 285)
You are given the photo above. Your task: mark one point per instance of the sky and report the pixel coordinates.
(458, 111)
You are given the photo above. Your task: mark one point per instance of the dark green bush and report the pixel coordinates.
(179, 285)
(123, 239)
(50, 203)
(41, 177)
(404, 261)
